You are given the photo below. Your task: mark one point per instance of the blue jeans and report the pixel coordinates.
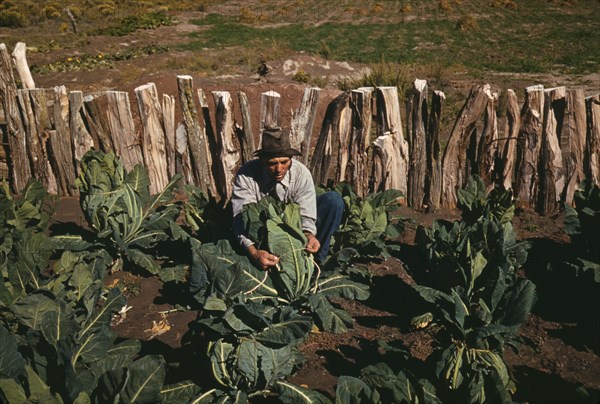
(330, 209)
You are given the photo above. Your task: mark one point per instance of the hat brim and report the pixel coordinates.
(272, 154)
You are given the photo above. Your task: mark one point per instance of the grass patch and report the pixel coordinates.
(132, 23)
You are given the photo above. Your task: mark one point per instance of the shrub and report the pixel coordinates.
(12, 19)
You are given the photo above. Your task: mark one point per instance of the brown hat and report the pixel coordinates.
(276, 143)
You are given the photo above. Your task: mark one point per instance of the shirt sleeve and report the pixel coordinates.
(243, 194)
(306, 197)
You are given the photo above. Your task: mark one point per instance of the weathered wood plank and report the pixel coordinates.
(326, 144)
(19, 167)
(270, 111)
(125, 139)
(488, 143)
(362, 118)
(344, 139)
(528, 147)
(508, 145)
(20, 59)
(168, 108)
(388, 111)
(244, 132)
(302, 122)
(36, 135)
(552, 175)
(183, 161)
(433, 179)
(229, 156)
(95, 117)
(153, 136)
(454, 160)
(61, 156)
(592, 154)
(572, 142)
(81, 139)
(196, 137)
(416, 122)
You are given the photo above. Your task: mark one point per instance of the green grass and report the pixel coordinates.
(537, 37)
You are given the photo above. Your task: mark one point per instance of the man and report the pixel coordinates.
(275, 173)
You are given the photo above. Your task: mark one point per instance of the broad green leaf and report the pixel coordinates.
(114, 301)
(292, 394)
(330, 318)
(92, 346)
(181, 392)
(39, 390)
(57, 324)
(288, 331)
(143, 260)
(342, 286)
(145, 380)
(31, 309)
(177, 273)
(12, 363)
(275, 364)
(351, 390)
(219, 352)
(13, 392)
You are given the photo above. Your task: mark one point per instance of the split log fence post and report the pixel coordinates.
(32, 104)
(183, 161)
(168, 110)
(197, 140)
(508, 146)
(20, 170)
(572, 142)
(122, 129)
(81, 139)
(244, 132)
(395, 171)
(153, 136)
(416, 122)
(302, 122)
(95, 107)
(454, 160)
(528, 147)
(552, 176)
(362, 118)
(60, 144)
(321, 158)
(488, 143)
(20, 59)
(270, 111)
(433, 179)
(592, 155)
(344, 139)
(229, 156)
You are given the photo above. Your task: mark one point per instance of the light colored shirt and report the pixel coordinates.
(253, 182)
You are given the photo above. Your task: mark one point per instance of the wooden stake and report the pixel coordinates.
(244, 132)
(416, 124)
(592, 154)
(362, 117)
(302, 122)
(397, 160)
(183, 160)
(20, 59)
(197, 139)
(81, 139)
(61, 156)
(454, 161)
(126, 141)
(528, 147)
(552, 175)
(168, 108)
(508, 146)
(572, 142)
(228, 151)
(20, 171)
(488, 143)
(153, 136)
(321, 159)
(433, 179)
(270, 115)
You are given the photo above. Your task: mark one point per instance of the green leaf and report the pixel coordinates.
(12, 363)
(145, 380)
(292, 394)
(341, 286)
(289, 330)
(350, 390)
(31, 309)
(177, 273)
(330, 318)
(12, 391)
(181, 392)
(143, 260)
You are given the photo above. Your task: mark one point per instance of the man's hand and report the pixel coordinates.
(263, 258)
(312, 245)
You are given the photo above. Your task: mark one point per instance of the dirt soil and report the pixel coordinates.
(556, 356)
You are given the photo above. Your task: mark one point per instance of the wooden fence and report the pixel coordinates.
(547, 146)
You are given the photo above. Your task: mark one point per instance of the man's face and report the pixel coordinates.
(278, 167)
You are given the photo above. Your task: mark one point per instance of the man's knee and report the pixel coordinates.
(332, 201)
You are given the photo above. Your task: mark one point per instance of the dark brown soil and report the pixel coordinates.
(557, 354)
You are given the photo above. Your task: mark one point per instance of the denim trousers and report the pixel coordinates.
(330, 210)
